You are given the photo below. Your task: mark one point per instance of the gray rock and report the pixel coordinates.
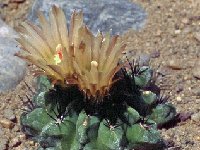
(103, 15)
(12, 69)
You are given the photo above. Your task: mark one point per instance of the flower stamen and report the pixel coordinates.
(58, 56)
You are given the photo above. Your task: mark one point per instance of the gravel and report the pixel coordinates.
(9, 114)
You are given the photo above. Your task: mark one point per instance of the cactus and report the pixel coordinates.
(65, 122)
(87, 97)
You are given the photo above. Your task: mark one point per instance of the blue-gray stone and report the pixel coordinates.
(103, 15)
(12, 69)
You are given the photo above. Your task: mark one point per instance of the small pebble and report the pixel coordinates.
(198, 101)
(158, 32)
(1, 131)
(187, 30)
(196, 70)
(196, 73)
(179, 88)
(178, 98)
(2, 106)
(6, 123)
(22, 137)
(163, 71)
(3, 143)
(198, 138)
(155, 54)
(197, 36)
(15, 142)
(32, 143)
(16, 128)
(9, 114)
(144, 59)
(185, 20)
(175, 64)
(196, 117)
(177, 31)
(196, 92)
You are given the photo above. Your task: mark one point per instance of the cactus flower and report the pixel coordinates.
(74, 55)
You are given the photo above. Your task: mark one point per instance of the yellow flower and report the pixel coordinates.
(98, 62)
(72, 57)
(50, 46)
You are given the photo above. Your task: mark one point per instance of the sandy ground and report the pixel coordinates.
(171, 36)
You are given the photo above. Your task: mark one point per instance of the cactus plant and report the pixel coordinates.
(86, 99)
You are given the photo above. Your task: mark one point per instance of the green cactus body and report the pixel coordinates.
(149, 97)
(109, 138)
(143, 78)
(81, 128)
(132, 115)
(163, 113)
(141, 137)
(58, 124)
